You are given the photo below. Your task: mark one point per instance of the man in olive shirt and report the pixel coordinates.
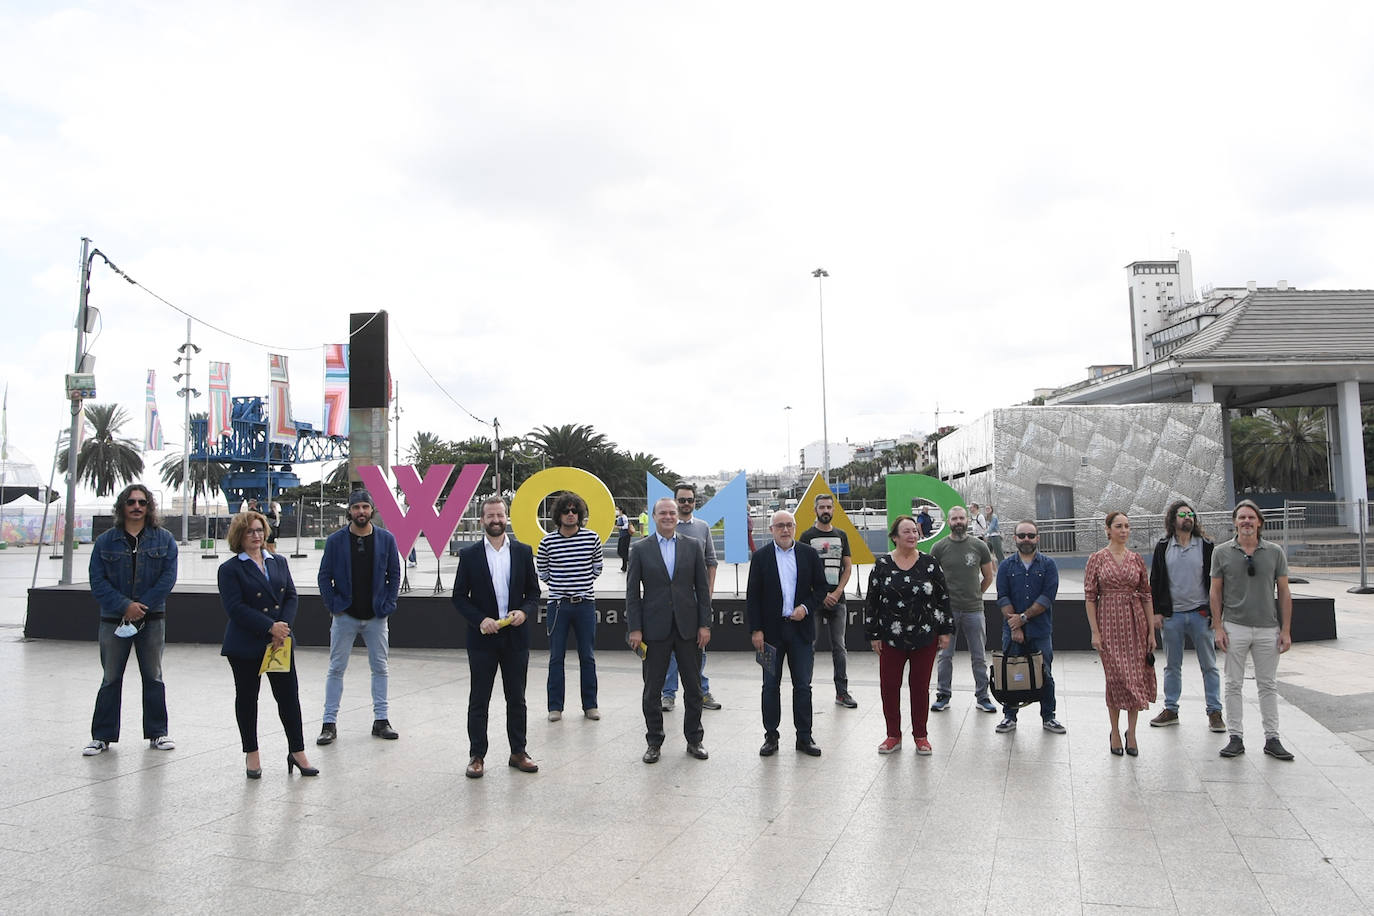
(1247, 573)
(967, 565)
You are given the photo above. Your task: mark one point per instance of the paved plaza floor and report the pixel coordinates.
(1024, 822)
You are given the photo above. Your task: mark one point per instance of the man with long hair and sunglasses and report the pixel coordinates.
(1180, 579)
(132, 571)
(1252, 613)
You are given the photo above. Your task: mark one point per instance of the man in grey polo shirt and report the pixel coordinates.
(1247, 573)
(967, 565)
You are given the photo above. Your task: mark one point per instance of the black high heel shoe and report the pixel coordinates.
(1131, 751)
(251, 773)
(305, 771)
(1116, 751)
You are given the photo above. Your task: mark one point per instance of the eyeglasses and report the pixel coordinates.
(1186, 514)
(783, 525)
(1022, 536)
(256, 532)
(131, 501)
(1249, 564)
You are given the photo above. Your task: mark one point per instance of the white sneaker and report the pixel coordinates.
(162, 743)
(95, 747)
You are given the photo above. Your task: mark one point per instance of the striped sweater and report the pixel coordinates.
(570, 565)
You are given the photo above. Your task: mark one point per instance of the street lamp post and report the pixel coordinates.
(787, 456)
(820, 274)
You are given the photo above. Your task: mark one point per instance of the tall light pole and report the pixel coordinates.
(186, 392)
(820, 274)
(84, 363)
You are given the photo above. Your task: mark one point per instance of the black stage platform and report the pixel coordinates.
(427, 621)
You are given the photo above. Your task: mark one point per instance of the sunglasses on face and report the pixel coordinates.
(1026, 537)
(132, 501)
(570, 511)
(1185, 514)
(686, 499)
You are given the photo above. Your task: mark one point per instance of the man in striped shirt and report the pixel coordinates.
(569, 560)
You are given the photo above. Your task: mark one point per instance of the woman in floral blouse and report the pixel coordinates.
(907, 620)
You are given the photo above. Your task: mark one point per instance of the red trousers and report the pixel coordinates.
(891, 662)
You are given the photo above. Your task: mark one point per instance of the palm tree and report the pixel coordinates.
(571, 446)
(1285, 448)
(427, 449)
(105, 461)
(170, 470)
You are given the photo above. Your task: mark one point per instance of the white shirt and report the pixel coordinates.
(498, 562)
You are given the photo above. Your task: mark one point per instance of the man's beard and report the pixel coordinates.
(495, 529)
(825, 517)
(1025, 547)
(958, 529)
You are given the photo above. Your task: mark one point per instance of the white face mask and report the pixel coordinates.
(126, 629)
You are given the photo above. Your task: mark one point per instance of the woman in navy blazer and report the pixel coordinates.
(256, 590)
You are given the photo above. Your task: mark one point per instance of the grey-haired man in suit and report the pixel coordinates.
(668, 609)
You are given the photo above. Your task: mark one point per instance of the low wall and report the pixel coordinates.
(427, 621)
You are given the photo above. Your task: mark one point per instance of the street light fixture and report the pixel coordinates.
(820, 274)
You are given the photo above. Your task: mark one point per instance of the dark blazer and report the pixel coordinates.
(1159, 576)
(763, 596)
(656, 606)
(475, 598)
(254, 602)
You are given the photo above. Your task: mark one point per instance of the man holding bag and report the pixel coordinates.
(1027, 584)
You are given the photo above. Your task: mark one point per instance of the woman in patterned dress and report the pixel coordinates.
(1116, 592)
(907, 619)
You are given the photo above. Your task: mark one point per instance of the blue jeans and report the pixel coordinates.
(801, 659)
(342, 632)
(1196, 626)
(974, 627)
(581, 619)
(670, 681)
(114, 657)
(1043, 645)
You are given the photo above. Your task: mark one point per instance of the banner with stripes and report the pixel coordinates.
(336, 389)
(220, 414)
(280, 428)
(152, 434)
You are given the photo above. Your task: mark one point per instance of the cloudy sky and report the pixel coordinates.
(608, 213)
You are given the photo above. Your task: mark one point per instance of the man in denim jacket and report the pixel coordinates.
(133, 568)
(1027, 584)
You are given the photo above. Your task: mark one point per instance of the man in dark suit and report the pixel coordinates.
(668, 609)
(497, 589)
(786, 589)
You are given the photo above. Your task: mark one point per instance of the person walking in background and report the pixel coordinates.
(569, 560)
(259, 597)
(993, 534)
(624, 529)
(907, 620)
(1116, 595)
(359, 580)
(132, 570)
(1180, 579)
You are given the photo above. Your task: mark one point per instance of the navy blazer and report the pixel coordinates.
(763, 595)
(475, 598)
(254, 602)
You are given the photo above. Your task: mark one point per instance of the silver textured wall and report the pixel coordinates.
(1132, 457)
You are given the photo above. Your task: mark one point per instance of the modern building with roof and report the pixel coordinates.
(1248, 347)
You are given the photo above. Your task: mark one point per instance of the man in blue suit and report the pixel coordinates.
(786, 589)
(497, 589)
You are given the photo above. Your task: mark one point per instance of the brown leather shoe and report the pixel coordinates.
(523, 763)
(475, 768)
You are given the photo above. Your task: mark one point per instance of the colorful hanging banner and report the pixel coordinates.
(280, 428)
(336, 389)
(152, 435)
(219, 406)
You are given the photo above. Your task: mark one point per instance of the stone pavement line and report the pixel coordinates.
(394, 826)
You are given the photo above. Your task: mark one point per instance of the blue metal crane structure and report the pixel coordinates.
(259, 469)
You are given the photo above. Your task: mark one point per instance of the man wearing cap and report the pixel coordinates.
(360, 577)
